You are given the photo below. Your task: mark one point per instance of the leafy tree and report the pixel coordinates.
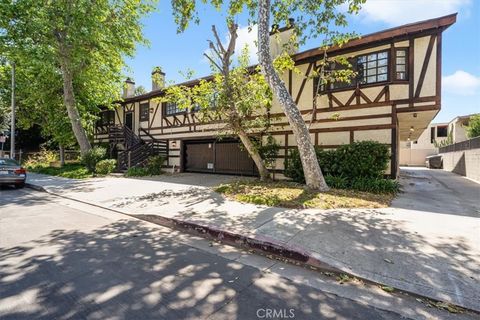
(79, 45)
(473, 127)
(140, 90)
(315, 19)
(237, 99)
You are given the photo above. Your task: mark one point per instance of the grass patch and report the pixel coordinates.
(69, 170)
(294, 195)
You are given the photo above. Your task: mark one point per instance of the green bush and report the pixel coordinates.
(92, 157)
(359, 159)
(154, 165)
(375, 185)
(41, 159)
(137, 172)
(359, 166)
(105, 166)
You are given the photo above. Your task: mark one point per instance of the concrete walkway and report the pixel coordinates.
(428, 242)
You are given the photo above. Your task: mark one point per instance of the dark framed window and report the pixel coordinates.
(144, 112)
(401, 64)
(171, 108)
(107, 118)
(372, 67)
(442, 131)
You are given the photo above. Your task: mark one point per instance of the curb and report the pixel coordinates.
(263, 246)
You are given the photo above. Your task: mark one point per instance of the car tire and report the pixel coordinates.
(20, 185)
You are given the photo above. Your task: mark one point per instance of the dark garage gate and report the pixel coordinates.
(211, 156)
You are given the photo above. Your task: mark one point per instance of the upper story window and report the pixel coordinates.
(372, 67)
(144, 112)
(171, 108)
(442, 131)
(401, 66)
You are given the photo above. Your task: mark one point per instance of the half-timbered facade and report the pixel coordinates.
(394, 97)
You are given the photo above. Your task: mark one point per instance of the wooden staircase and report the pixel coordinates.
(136, 150)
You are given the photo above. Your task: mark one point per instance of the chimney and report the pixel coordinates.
(283, 39)
(158, 79)
(128, 88)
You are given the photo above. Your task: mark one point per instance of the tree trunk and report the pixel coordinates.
(62, 155)
(253, 152)
(313, 174)
(69, 101)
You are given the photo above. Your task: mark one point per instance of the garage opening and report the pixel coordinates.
(222, 157)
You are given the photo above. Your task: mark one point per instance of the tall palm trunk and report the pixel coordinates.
(313, 174)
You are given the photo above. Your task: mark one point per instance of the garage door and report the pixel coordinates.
(227, 157)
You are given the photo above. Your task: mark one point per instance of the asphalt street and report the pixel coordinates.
(64, 260)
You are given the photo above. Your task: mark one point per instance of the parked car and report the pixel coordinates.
(12, 173)
(434, 162)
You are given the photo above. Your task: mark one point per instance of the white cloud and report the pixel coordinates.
(397, 12)
(461, 83)
(246, 37)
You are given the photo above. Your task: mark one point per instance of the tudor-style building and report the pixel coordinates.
(394, 98)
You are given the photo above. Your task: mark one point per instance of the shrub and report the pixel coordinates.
(473, 128)
(154, 165)
(41, 159)
(92, 157)
(374, 185)
(137, 172)
(359, 166)
(105, 166)
(359, 159)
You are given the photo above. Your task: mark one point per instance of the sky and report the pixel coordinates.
(177, 53)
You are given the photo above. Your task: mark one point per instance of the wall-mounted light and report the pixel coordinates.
(412, 129)
(151, 110)
(174, 143)
(415, 115)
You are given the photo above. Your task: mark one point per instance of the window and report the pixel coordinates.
(171, 108)
(144, 112)
(442, 131)
(106, 118)
(401, 56)
(372, 67)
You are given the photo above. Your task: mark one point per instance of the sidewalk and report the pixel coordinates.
(433, 251)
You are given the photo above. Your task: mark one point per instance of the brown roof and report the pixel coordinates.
(407, 29)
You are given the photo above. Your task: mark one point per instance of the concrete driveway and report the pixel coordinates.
(427, 242)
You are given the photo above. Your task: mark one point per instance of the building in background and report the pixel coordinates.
(413, 153)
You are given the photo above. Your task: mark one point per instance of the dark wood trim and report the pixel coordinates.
(364, 96)
(339, 129)
(118, 117)
(393, 142)
(153, 117)
(351, 136)
(411, 67)
(352, 118)
(385, 36)
(418, 109)
(380, 94)
(426, 61)
(330, 102)
(350, 100)
(304, 81)
(438, 87)
(290, 80)
(336, 100)
(316, 138)
(357, 96)
(286, 143)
